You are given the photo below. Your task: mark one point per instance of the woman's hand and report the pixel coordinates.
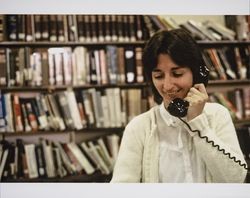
(197, 98)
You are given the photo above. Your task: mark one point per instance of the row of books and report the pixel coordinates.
(109, 65)
(236, 101)
(50, 159)
(70, 66)
(69, 110)
(228, 63)
(236, 27)
(83, 28)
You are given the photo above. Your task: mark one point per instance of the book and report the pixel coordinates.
(114, 28)
(111, 54)
(2, 115)
(3, 68)
(100, 26)
(130, 67)
(113, 144)
(93, 28)
(17, 113)
(74, 109)
(138, 64)
(31, 160)
(12, 27)
(60, 28)
(21, 24)
(53, 28)
(29, 36)
(2, 28)
(72, 28)
(65, 108)
(81, 27)
(41, 166)
(45, 27)
(38, 27)
(81, 158)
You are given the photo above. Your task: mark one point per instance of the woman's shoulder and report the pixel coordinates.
(213, 108)
(145, 118)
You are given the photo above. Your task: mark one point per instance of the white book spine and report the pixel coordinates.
(105, 109)
(111, 102)
(89, 169)
(74, 109)
(118, 114)
(31, 160)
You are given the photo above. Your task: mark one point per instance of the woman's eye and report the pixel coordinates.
(177, 74)
(158, 76)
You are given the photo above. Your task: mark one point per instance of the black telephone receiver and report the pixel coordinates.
(179, 108)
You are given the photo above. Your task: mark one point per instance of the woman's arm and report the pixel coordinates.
(222, 131)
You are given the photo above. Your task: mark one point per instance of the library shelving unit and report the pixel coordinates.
(79, 135)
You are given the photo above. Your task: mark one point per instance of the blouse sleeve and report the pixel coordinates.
(128, 166)
(221, 131)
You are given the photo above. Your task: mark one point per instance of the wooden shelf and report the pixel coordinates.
(240, 123)
(213, 44)
(86, 130)
(61, 44)
(95, 177)
(139, 43)
(75, 87)
(226, 85)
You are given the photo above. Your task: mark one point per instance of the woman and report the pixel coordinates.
(159, 147)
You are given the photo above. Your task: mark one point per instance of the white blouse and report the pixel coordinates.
(178, 160)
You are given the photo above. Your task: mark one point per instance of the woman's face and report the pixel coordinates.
(171, 80)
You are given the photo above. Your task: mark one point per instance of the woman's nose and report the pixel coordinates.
(168, 84)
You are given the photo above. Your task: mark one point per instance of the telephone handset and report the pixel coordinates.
(179, 108)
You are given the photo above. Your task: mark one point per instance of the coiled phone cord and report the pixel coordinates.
(215, 145)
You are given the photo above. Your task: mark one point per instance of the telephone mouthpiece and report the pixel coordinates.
(178, 107)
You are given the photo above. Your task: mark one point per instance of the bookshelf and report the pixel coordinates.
(134, 35)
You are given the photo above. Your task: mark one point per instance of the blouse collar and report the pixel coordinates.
(168, 118)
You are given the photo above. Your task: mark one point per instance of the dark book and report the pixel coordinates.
(29, 24)
(2, 28)
(21, 25)
(12, 27)
(40, 161)
(132, 33)
(20, 158)
(93, 69)
(2, 115)
(53, 28)
(81, 27)
(87, 28)
(139, 32)
(125, 20)
(120, 28)
(130, 67)
(38, 27)
(93, 28)
(107, 27)
(114, 28)
(100, 21)
(60, 28)
(45, 27)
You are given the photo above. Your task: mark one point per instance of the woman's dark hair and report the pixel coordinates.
(182, 49)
